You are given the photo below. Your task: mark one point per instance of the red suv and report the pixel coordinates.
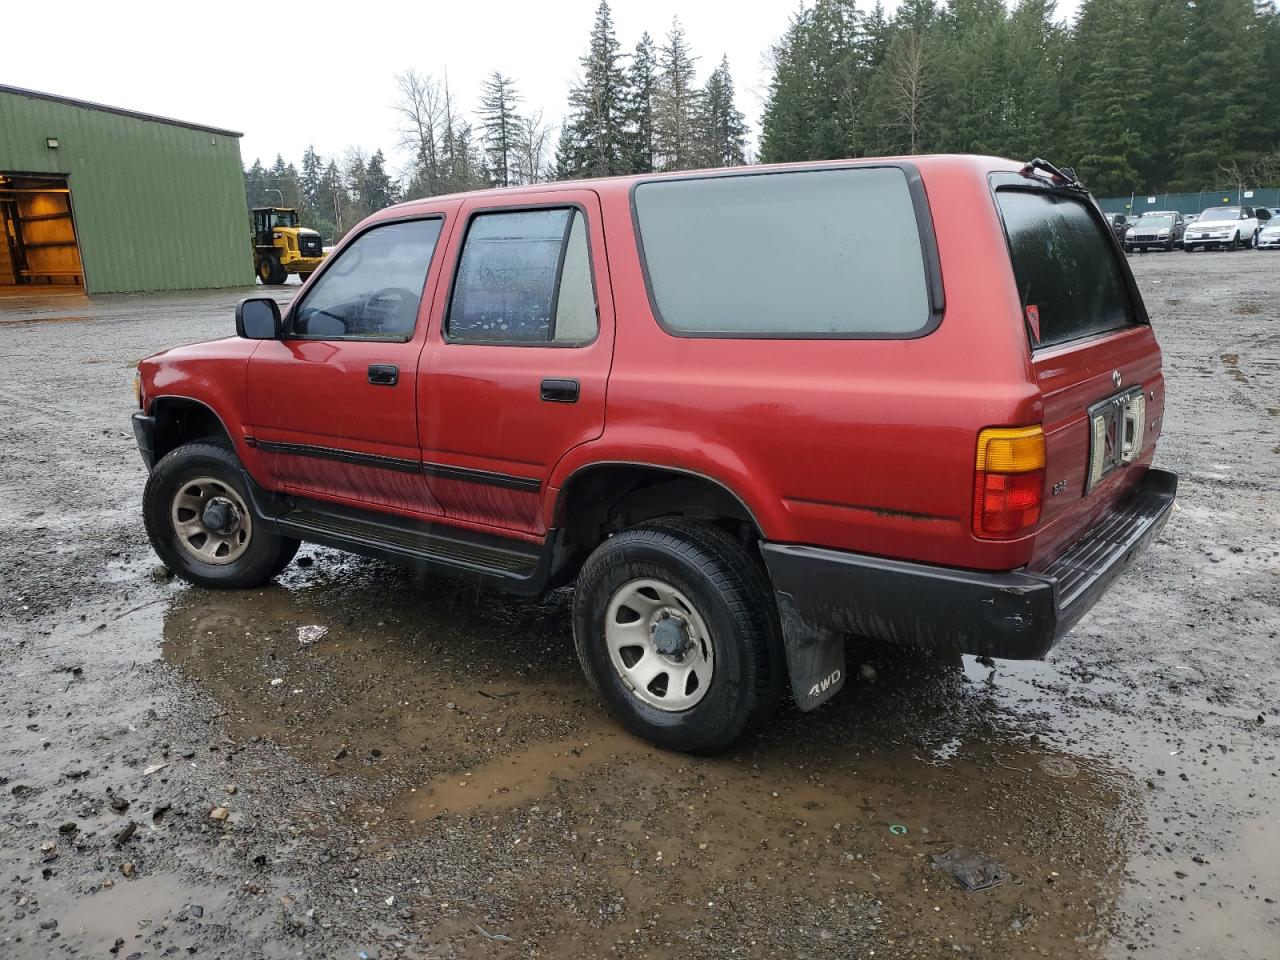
(749, 412)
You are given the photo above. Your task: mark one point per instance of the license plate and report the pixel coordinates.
(1115, 434)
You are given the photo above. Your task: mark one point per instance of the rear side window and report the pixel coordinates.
(1068, 277)
(820, 253)
(525, 278)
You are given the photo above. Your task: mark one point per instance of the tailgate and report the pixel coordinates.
(1095, 358)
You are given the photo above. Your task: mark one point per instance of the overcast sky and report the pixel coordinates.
(292, 74)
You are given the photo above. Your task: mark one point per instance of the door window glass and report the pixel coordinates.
(525, 277)
(373, 289)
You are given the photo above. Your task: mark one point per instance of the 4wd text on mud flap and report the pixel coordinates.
(825, 684)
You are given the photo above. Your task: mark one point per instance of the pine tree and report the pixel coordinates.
(642, 77)
(822, 76)
(1224, 122)
(1112, 76)
(594, 139)
(500, 126)
(309, 184)
(723, 127)
(255, 181)
(376, 187)
(676, 105)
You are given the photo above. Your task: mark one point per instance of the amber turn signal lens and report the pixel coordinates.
(1011, 450)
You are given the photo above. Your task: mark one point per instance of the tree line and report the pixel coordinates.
(1147, 95)
(631, 112)
(1152, 95)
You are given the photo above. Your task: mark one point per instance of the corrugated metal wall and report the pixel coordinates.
(1194, 202)
(157, 206)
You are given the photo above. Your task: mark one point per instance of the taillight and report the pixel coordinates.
(1008, 482)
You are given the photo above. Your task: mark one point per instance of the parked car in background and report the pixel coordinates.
(1268, 238)
(1231, 228)
(1118, 223)
(923, 427)
(1156, 230)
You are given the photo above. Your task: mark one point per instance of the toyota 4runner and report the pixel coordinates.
(746, 412)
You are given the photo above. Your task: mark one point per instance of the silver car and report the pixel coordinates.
(1268, 238)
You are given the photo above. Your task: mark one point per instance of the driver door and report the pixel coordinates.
(332, 403)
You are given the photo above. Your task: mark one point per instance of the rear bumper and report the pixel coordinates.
(1016, 615)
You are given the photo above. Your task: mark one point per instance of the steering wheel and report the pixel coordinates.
(404, 298)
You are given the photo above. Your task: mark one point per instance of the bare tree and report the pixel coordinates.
(908, 64)
(418, 104)
(533, 143)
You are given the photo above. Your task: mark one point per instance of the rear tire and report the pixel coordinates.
(729, 668)
(243, 552)
(304, 277)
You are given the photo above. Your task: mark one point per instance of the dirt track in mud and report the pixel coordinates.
(432, 778)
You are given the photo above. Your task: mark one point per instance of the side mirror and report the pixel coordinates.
(258, 318)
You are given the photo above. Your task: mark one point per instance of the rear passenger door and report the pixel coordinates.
(518, 357)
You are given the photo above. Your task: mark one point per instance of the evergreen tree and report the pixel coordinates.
(309, 183)
(1112, 76)
(822, 75)
(255, 181)
(642, 77)
(677, 105)
(594, 141)
(500, 126)
(723, 127)
(1224, 123)
(376, 187)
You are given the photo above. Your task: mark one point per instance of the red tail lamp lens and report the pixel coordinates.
(1008, 485)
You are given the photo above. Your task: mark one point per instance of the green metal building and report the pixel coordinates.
(116, 200)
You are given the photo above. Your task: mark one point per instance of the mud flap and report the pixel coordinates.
(815, 656)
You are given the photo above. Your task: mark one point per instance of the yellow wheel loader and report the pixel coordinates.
(282, 247)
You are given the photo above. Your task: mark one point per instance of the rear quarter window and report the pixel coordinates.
(805, 254)
(1069, 280)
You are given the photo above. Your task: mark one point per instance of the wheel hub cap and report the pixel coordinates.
(670, 636)
(210, 520)
(659, 644)
(221, 516)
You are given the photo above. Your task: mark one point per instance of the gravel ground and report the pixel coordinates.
(180, 775)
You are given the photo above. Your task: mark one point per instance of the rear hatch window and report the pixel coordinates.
(1068, 276)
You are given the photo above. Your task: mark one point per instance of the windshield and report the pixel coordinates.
(1156, 220)
(1221, 213)
(284, 219)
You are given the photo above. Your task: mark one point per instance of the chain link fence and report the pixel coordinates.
(1137, 204)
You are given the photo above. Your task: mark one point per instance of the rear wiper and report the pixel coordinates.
(1057, 176)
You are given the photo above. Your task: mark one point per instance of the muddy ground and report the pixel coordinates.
(181, 776)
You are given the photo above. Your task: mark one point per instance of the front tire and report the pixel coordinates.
(270, 272)
(198, 517)
(677, 633)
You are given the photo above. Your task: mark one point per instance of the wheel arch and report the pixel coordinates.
(600, 498)
(182, 420)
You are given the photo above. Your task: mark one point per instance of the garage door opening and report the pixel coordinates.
(39, 251)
